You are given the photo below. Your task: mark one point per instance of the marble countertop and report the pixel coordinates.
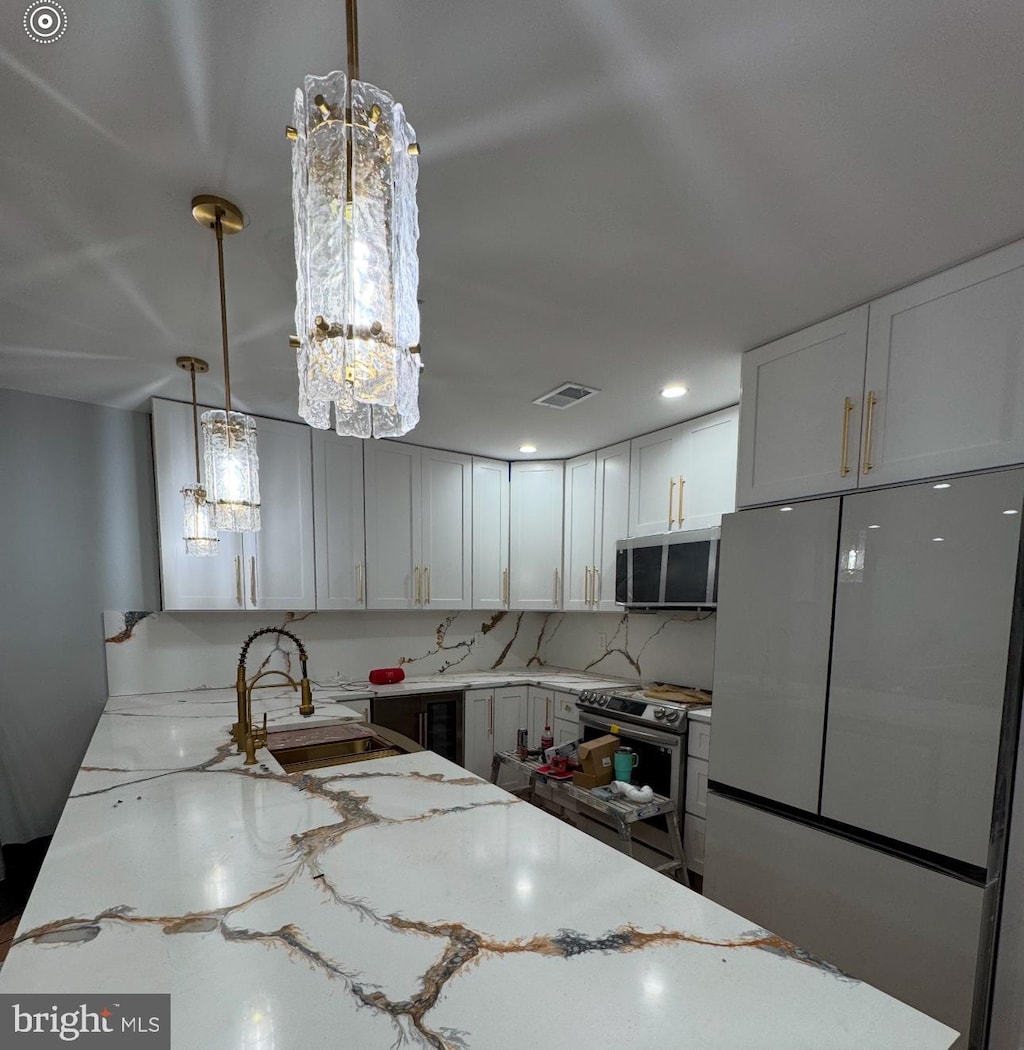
(398, 903)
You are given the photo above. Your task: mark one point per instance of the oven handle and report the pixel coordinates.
(650, 736)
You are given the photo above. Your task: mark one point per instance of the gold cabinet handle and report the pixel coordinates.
(360, 583)
(844, 467)
(238, 580)
(490, 715)
(416, 575)
(595, 585)
(586, 585)
(555, 595)
(504, 586)
(547, 711)
(682, 482)
(872, 401)
(252, 579)
(671, 491)
(426, 584)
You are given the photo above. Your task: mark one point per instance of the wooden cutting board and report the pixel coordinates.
(661, 691)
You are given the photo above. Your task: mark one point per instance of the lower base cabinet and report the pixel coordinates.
(493, 717)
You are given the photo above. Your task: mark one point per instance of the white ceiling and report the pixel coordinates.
(615, 192)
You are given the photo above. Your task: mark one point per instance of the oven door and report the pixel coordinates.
(660, 756)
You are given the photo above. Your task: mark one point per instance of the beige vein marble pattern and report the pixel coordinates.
(397, 903)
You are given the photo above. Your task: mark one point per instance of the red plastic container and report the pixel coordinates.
(386, 675)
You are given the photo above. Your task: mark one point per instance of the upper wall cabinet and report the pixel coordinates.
(683, 477)
(535, 536)
(596, 515)
(800, 418)
(926, 381)
(490, 534)
(418, 527)
(271, 569)
(338, 521)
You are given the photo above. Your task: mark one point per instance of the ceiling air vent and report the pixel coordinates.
(567, 395)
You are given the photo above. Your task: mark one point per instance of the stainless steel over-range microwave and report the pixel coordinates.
(679, 570)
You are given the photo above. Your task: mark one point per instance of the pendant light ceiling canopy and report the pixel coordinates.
(354, 172)
(229, 438)
(200, 535)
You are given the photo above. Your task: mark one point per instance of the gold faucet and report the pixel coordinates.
(247, 736)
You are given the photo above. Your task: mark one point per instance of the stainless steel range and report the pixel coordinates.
(655, 729)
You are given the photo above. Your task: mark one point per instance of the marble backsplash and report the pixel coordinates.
(151, 652)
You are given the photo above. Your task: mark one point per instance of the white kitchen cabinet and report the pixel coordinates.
(565, 706)
(945, 373)
(596, 515)
(683, 477)
(338, 521)
(510, 715)
(418, 527)
(800, 412)
(478, 734)
(271, 569)
(540, 711)
(535, 535)
(490, 534)
(565, 732)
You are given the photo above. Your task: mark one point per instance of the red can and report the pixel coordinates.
(522, 743)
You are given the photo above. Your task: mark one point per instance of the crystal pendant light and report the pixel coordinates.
(200, 535)
(354, 173)
(229, 438)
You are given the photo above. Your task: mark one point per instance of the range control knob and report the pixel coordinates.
(585, 696)
(602, 700)
(659, 713)
(671, 716)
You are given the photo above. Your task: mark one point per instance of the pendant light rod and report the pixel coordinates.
(219, 227)
(352, 38)
(193, 365)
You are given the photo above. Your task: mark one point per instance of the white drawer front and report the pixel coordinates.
(565, 707)
(698, 739)
(565, 732)
(697, 787)
(693, 842)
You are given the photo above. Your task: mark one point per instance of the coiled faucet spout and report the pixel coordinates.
(243, 729)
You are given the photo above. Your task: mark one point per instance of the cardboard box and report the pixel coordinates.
(597, 760)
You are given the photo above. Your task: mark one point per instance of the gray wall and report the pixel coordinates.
(77, 536)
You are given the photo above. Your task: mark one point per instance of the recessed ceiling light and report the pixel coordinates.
(938, 539)
(942, 485)
(1011, 512)
(527, 448)
(673, 391)
(784, 509)
(874, 526)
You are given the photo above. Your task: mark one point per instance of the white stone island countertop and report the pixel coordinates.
(400, 902)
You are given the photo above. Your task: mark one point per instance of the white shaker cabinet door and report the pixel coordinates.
(447, 523)
(580, 479)
(279, 571)
(945, 373)
(611, 497)
(708, 488)
(775, 591)
(394, 576)
(510, 715)
(800, 412)
(188, 582)
(478, 711)
(490, 534)
(338, 521)
(535, 536)
(924, 598)
(656, 463)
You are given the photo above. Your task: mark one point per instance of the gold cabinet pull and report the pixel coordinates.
(416, 575)
(682, 482)
(586, 585)
(360, 584)
(595, 585)
(252, 579)
(671, 492)
(872, 401)
(547, 711)
(238, 580)
(426, 584)
(844, 467)
(490, 715)
(555, 597)
(504, 585)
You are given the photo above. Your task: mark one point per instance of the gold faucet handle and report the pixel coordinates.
(255, 738)
(306, 708)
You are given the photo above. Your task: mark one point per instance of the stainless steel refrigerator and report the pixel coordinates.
(864, 719)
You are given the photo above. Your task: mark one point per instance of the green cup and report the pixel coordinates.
(626, 760)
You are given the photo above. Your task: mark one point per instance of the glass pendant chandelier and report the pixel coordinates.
(229, 438)
(354, 173)
(200, 535)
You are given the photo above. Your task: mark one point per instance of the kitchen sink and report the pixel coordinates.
(334, 744)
